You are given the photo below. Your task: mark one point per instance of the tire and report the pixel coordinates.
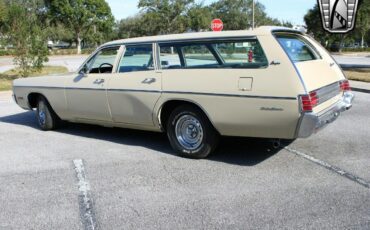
(46, 117)
(190, 132)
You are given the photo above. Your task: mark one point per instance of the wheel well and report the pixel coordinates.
(32, 99)
(169, 106)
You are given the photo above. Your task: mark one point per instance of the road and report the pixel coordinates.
(353, 61)
(132, 180)
(73, 62)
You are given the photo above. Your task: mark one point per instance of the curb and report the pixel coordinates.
(360, 90)
(353, 66)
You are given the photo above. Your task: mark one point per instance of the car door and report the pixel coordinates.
(86, 93)
(136, 86)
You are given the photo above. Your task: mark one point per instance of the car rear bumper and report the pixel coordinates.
(312, 122)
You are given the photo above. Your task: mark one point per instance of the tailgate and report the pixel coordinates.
(322, 78)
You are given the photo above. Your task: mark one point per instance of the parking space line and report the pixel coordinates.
(85, 200)
(332, 168)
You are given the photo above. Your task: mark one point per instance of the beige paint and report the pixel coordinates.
(237, 101)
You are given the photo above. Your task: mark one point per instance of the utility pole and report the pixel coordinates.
(253, 14)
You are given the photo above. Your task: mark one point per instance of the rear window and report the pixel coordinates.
(297, 48)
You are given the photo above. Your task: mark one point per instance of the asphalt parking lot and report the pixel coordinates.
(86, 177)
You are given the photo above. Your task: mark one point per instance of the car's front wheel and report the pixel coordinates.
(190, 132)
(47, 119)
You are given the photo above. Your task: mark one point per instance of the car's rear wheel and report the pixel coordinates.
(190, 132)
(46, 117)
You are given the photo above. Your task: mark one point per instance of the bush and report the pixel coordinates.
(6, 52)
(70, 51)
(356, 49)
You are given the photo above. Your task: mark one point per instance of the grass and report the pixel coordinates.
(7, 77)
(358, 74)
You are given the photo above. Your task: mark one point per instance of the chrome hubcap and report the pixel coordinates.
(189, 132)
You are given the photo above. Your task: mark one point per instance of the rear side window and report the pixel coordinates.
(198, 56)
(241, 53)
(297, 48)
(246, 53)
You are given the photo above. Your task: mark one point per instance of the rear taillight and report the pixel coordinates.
(344, 85)
(308, 102)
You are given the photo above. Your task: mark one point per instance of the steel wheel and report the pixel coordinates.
(189, 132)
(46, 117)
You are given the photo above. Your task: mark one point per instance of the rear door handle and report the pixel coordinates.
(99, 81)
(148, 81)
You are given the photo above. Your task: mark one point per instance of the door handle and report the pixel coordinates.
(148, 80)
(99, 81)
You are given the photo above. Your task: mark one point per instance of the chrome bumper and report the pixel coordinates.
(311, 122)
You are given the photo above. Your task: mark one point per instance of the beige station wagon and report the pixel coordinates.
(271, 82)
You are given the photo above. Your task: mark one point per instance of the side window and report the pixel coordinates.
(137, 58)
(198, 56)
(103, 61)
(170, 58)
(241, 54)
(297, 48)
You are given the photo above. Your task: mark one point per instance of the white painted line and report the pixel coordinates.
(332, 168)
(86, 207)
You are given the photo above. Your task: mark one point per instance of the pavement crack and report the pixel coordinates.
(170, 173)
(330, 167)
(85, 200)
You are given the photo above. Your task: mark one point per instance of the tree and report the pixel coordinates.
(83, 17)
(131, 27)
(363, 21)
(22, 30)
(199, 17)
(164, 16)
(235, 14)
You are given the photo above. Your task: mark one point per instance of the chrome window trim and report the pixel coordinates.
(92, 55)
(216, 54)
(291, 61)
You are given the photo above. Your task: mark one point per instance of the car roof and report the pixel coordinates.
(260, 31)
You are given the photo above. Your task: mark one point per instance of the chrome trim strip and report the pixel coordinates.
(134, 90)
(161, 42)
(170, 92)
(231, 95)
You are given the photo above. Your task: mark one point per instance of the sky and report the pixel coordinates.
(287, 10)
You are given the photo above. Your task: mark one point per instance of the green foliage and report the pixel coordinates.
(179, 16)
(356, 49)
(23, 31)
(363, 20)
(199, 18)
(88, 19)
(164, 16)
